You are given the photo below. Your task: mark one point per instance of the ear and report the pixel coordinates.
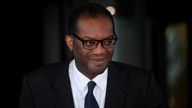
(69, 42)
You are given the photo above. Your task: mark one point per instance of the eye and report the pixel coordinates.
(108, 42)
(90, 42)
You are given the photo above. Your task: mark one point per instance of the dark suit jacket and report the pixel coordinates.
(127, 87)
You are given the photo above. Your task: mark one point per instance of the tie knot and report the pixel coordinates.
(91, 86)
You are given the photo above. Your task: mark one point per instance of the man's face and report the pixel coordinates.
(92, 62)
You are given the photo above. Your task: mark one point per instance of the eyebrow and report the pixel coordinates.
(109, 37)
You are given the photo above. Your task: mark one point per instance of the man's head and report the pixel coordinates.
(91, 38)
(91, 9)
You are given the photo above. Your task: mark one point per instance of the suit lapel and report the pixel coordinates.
(115, 96)
(64, 98)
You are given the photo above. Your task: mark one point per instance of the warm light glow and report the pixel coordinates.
(111, 9)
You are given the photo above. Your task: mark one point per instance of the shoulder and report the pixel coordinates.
(131, 76)
(46, 72)
(126, 67)
(129, 71)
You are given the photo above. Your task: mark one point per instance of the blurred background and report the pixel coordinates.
(153, 34)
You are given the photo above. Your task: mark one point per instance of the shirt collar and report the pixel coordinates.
(101, 79)
(81, 80)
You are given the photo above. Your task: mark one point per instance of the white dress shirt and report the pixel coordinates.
(79, 86)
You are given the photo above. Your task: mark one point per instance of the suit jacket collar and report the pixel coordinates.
(64, 98)
(115, 95)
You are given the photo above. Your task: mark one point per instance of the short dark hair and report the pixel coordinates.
(93, 9)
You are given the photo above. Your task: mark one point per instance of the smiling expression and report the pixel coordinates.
(91, 62)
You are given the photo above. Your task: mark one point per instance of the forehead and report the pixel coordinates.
(97, 25)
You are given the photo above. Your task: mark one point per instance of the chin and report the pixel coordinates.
(98, 68)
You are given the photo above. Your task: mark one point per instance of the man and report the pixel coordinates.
(91, 79)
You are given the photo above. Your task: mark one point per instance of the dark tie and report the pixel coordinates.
(90, 101)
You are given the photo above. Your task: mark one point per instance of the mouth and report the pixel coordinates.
(98, 59)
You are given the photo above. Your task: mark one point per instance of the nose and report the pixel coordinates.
(99, 49)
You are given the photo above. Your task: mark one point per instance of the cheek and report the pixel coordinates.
(78, 51)
(110, 51)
